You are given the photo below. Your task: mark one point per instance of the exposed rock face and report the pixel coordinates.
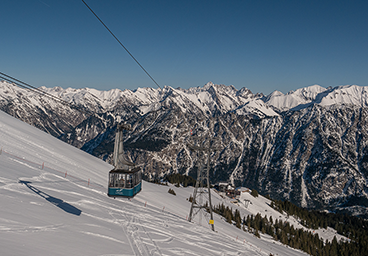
(307, 146)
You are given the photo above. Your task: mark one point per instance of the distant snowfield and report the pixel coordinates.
(53, 202)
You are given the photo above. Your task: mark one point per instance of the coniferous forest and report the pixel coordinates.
(184, 180)
(352, 227)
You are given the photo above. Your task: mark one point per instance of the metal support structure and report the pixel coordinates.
(199, 190)
(120, 162)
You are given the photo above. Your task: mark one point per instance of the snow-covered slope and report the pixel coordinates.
(344, 95)
(257, 108)
(261, 205)
(341, 95)
(53, 202)
(292, 99)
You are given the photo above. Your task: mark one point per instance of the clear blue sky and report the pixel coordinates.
(261, 45)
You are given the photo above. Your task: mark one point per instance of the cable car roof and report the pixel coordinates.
(125, 171)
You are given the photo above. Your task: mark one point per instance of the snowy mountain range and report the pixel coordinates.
(54, 202)
(308, 146)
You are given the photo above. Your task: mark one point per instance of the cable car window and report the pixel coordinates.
(111, 179)
(134, 182)
(139, 177)
(121, 180)
(129, 181)
(116, 180)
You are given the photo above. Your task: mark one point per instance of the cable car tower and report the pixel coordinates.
(125, 180)
(201, 189)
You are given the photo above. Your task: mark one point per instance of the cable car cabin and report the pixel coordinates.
(123, 183)
(125, 180)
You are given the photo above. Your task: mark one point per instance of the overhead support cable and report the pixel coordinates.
(131, 55)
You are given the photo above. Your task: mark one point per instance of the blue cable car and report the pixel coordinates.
(125, 184)
(125, 180)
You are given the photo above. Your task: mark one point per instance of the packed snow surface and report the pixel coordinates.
(53, 202)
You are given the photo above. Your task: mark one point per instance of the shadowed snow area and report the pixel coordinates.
(53, 202)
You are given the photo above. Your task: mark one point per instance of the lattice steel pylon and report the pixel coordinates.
(200, 190)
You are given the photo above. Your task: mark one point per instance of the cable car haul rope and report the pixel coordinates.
(126, 178)
(131, 55)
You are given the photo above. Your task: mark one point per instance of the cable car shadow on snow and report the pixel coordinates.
(55, 201)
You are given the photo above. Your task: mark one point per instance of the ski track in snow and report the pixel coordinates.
(156, 250)
(102, 236)
(20, 228)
